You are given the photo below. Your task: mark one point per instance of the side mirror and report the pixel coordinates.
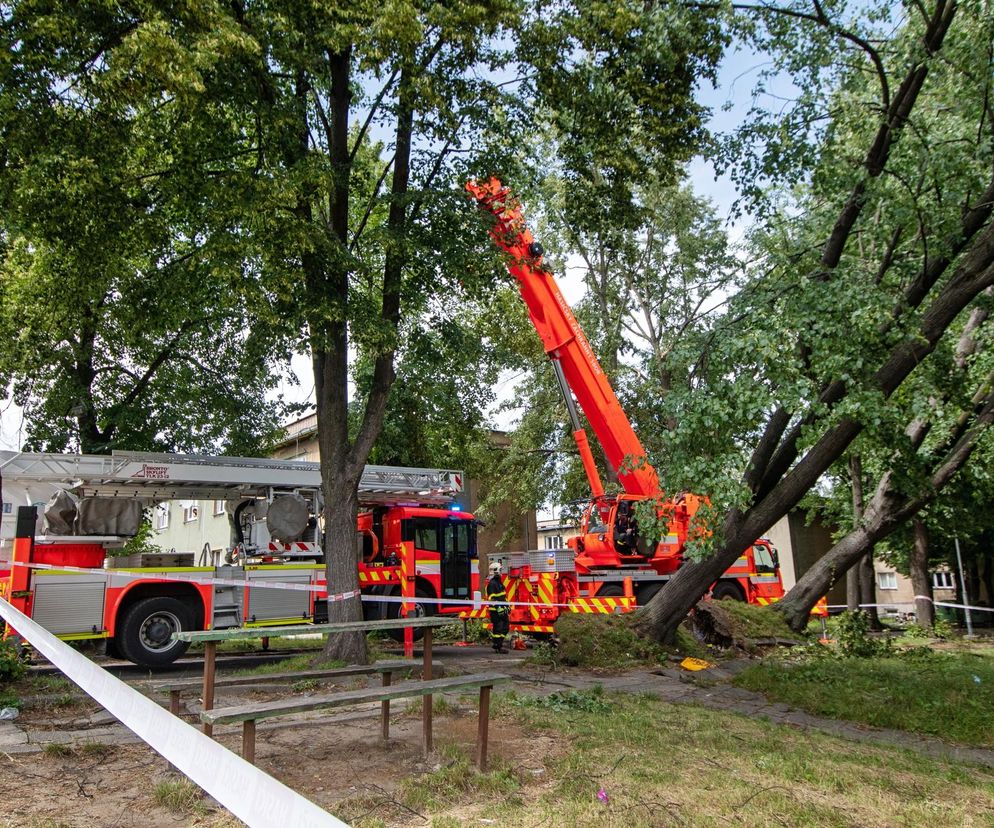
(776, 558)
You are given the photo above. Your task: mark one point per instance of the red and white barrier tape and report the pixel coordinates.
(174, 576)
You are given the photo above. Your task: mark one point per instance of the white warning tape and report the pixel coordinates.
(249, 793)
(912, 603)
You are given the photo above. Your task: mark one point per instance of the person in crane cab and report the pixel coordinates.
(626, 530)
(500, 613)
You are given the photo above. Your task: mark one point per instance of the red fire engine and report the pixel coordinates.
(611, 557)
(413, 535)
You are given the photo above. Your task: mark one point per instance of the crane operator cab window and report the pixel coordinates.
(766, 558)
(626, 530)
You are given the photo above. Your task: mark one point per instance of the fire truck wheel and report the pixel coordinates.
(725, 591)
(611, 591)
(420, 610)
(147, 627)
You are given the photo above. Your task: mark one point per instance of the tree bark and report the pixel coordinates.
(327, 284)
(920, 582)
(342, 461)
(868, 590)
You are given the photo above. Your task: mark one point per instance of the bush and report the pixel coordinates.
(12, 666)
(854, 637)
(589, 701)
(606, 641)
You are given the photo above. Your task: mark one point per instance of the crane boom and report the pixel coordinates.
(573, 360)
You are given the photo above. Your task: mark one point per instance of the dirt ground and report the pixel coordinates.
(338, 761)
(325, 761)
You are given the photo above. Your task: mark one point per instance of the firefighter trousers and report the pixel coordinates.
(501, 621)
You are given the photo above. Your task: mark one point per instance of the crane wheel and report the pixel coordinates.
(725, 591)
(645, 593)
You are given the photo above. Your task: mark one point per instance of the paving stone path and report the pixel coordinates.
(672, 685)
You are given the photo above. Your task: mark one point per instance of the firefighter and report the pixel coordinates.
(500, 614)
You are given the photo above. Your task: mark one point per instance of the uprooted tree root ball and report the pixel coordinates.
(614, 642)
(736, 625)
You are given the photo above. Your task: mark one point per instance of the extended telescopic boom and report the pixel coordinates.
(573, 359)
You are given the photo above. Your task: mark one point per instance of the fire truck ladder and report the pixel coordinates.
(153, 477)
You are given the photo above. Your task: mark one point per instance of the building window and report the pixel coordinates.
(190, 513)
(887, 580)
(553, 541)
(219, 508)
(8, 507)
(943, 580)
(162, 516)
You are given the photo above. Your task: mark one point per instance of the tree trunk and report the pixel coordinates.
(852, 589)
(988, 580)
(327, 283)
(796, 605)
(868, 590)
(920, 582)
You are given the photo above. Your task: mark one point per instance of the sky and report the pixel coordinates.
(734, 90)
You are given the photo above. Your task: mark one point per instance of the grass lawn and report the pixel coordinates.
(946, 694)
(658, 764)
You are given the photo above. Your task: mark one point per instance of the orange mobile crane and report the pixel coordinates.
(610, 551)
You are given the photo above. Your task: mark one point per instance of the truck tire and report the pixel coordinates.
(645, 593)
(144, 634)
(611, 591)
(727, 591)
(420, 610)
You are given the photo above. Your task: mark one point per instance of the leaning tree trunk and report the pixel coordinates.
(889, 509)
(920, 582)
(797, 604)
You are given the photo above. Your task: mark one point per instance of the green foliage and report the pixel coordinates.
(12, 666)
(141, 543)
(941, 629)
(128, 304)
(855, 640)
